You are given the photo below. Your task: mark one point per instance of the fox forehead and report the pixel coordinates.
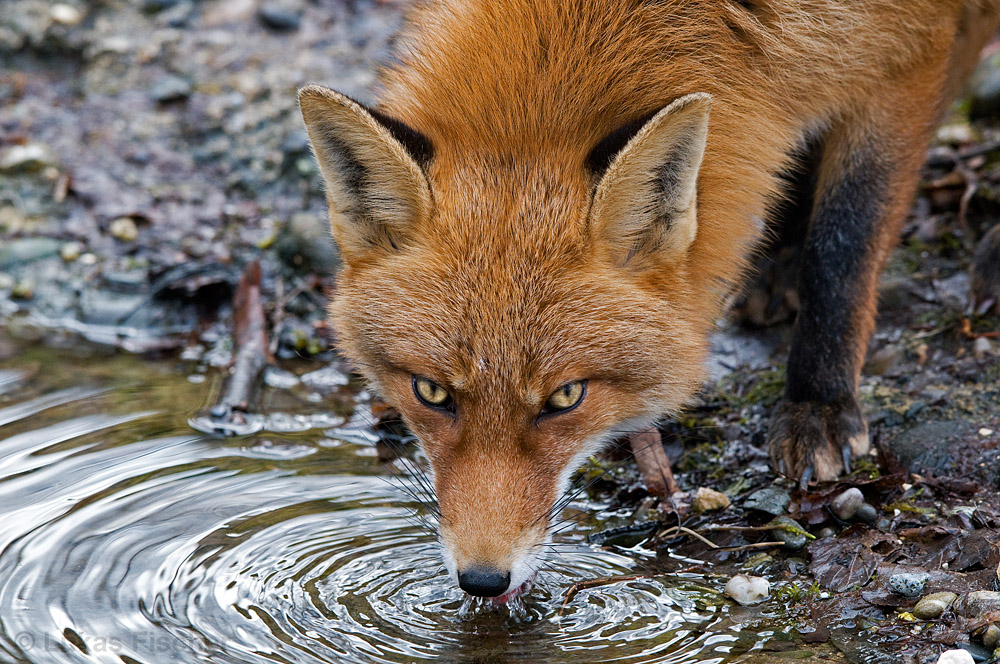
(510, 326)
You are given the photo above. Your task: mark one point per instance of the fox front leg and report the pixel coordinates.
(865, 181)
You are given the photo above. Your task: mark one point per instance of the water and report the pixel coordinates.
(127, 536)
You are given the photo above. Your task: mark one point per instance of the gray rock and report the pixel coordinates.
(909, 584)
(781, 529)
(846, 505)
(170, 88)
(928, 445)
(866, 513)
(770, 500)
(933, 605)
(279, 17)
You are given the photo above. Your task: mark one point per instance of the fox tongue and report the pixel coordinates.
(516, 592)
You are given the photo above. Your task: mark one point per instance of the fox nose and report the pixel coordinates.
(484, 581)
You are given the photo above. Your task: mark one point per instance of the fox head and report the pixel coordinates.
(520, 307)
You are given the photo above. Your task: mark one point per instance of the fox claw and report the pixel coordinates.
(816, 441)
(807, 475)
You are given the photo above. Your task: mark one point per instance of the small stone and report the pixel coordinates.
(772, 500)
(977, 603)
(846, 505)
(708, 500)
(866, 513)
(170, 88)
(956, 657)
(89, 259)
(124, 229)
(23, 290)
(933, 605)
(70, 251)
(789, 532)
(991, 637)
(65, 14)
(278, 17)
(30, 157)
(747, 590)
(982, 347)
(984, 432)
(909, 584)
(6, 281)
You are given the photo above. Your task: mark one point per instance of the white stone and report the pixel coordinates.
(65, 14)
(956, 657)
(747, 590)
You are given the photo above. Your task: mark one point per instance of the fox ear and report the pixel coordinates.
(645, 204)
(375, 187)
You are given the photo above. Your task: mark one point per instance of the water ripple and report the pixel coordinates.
(126, 537)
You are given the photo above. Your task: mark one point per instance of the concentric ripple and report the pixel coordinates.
(127, 537)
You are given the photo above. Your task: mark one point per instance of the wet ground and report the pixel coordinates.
(149, 150)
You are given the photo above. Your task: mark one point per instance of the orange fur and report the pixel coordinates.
(503, 289)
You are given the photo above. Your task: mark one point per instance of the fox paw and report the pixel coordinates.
(816, 441)
(984, 284)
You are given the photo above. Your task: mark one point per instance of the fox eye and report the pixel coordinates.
(431, 394)
(566, 397)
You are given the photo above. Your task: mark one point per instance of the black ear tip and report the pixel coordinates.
(416, 143)
(601, 155)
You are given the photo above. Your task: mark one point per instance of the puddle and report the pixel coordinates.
(128, 536)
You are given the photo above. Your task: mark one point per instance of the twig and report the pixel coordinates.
(969, 334)
(650, 457)
(250, 341)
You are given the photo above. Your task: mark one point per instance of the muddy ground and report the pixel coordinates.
(150, 149)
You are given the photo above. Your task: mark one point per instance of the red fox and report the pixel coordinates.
(543, 216)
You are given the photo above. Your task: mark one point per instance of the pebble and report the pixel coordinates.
(277, 17)
(909, 584)
(30, 157)
(772, 500)
(70, 251)
(23, 290)
(991, 637)
(65, 14)
(708, 500)
(170, 88)
(746, 590)
(846, 505)
(6, 281)
(790, 539)
(982, 347)
(933, 605)
(867, 513)
(956, 657)
(124, 229)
